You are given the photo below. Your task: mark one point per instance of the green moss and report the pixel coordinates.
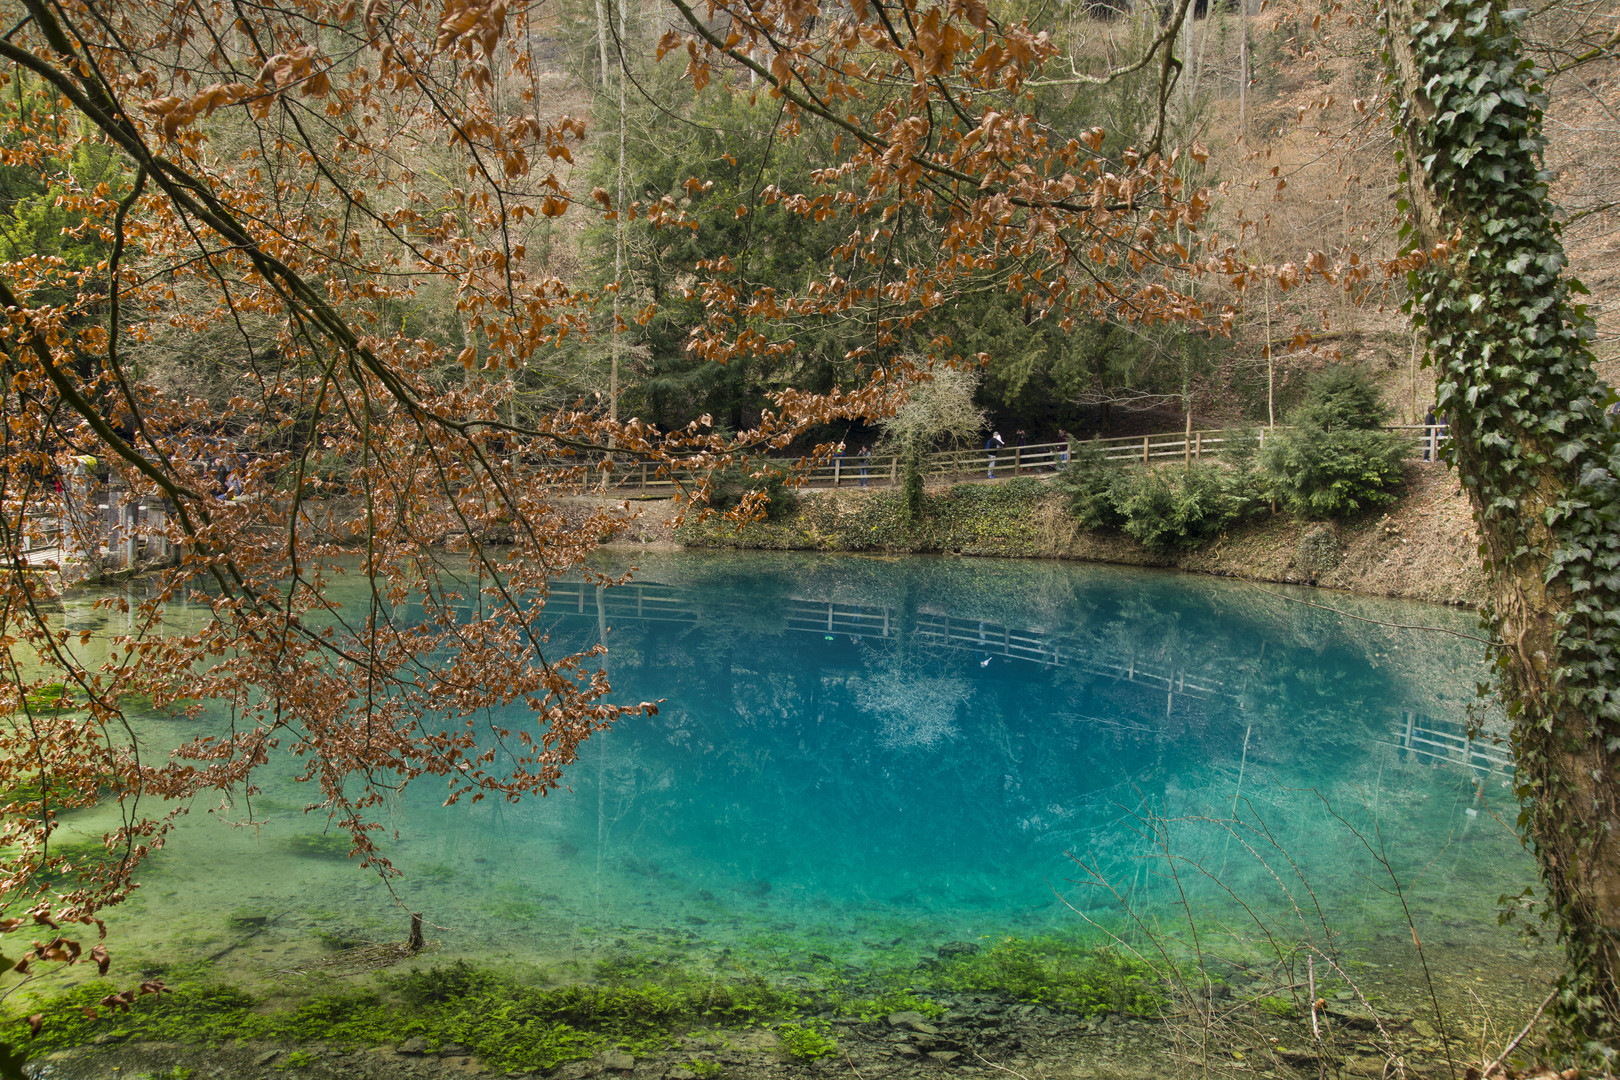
(1274, 1005)
(807, 1041)
(1056, 971)
(318, 845)
(506, 1023)
(51, 698)
(643, 1002)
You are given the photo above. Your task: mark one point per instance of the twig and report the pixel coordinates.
(1392, 1056)
(1381, 857)
(1517, 1039)
(851, 1062)
(1310, 976)
(1002, 1068)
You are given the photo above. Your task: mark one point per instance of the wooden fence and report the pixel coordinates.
(111, 530)
(883, 470)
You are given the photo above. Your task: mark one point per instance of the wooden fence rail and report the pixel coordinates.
(883, 470)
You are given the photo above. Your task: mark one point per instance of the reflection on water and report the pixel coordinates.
(881, 755)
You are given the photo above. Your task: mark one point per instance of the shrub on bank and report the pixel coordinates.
(1088, 484)
(1179, 508)
(1335, 460)
(729, 486)
(1166, 509)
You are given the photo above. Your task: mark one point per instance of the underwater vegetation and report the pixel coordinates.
(49, 699)
(807, 1041)
(1056, 971)
(511, 910)
(639, 1002)
(317, 845)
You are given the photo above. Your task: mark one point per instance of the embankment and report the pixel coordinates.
(1422, 548)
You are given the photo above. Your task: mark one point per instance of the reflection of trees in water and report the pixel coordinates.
(913, 710)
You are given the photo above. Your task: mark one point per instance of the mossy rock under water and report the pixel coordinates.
(318, 845)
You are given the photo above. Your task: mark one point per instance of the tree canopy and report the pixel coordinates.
(311, 299)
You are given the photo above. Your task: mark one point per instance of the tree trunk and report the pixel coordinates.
(1535, 451)
(1243, 73)
(602, 40)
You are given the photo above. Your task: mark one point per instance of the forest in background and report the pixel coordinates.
(1299, 163)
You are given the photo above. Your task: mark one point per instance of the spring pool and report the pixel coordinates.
(866, 758)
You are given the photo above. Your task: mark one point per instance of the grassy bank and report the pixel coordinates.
(1422, 548)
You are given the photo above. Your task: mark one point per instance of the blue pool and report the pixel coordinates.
(869, 757)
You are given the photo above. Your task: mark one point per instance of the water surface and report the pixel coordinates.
(870, 757)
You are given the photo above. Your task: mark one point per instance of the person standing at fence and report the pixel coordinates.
(991, 445)
(866, 460)
(1428, 433)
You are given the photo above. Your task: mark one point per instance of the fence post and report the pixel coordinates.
(129, 517)
(1145, 439)
(1198, 446)
(894, 472)
(644, 478)
(838, 464)
(1018, 452)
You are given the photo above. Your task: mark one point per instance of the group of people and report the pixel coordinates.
(996, 442)
(863, 456)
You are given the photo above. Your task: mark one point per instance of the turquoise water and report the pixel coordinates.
(870, 757)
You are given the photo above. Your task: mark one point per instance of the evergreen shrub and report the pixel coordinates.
(1335, 460)
(1088, 482)
(1165, 509)
(1178, 508)
(729, 486)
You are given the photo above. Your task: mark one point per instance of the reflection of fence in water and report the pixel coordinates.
(650, 602)
(989, 639)
(1445, 741)
(1430, 738)
(641, 602)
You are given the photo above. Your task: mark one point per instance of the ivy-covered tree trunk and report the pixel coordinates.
(1534, 448)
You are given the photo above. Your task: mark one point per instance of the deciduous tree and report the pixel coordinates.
(294, 181)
